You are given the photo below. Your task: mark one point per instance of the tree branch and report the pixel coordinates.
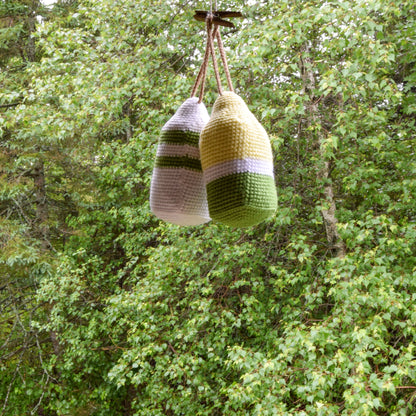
(10, 105)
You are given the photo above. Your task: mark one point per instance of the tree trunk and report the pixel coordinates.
(42, 212)
(30, 46)
(127, 113)
(323, 171)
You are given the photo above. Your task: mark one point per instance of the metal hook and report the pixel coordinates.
(217, 17)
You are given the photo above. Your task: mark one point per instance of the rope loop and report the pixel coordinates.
(212, 33)
(202, 71)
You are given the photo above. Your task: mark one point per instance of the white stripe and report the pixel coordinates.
(263, 167)
(168, 149)
(190, 116)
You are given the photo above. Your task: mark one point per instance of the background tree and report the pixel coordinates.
(29, 215)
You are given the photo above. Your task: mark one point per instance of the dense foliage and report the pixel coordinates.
(105, 310)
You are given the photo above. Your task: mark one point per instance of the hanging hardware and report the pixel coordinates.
(217, 17)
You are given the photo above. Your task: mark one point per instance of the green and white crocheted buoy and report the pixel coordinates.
(237, 164)
(177, 191)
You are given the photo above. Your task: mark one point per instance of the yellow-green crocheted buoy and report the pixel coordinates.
(237, 165)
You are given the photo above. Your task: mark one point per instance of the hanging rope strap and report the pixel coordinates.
(214, 59)
(209, 50)
(203, 70)
(224, 60)
(210, 45)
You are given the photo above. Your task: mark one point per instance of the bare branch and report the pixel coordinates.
(10, 105)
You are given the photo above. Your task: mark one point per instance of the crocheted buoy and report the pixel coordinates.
(177, 190)
(237, 163)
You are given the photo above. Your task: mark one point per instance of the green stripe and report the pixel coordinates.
(242, 199)
(179, 137)
(178, 162)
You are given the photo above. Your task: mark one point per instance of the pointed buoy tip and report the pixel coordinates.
(228, 99)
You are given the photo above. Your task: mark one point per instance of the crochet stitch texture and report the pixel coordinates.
(237, 164)
(177, 190)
